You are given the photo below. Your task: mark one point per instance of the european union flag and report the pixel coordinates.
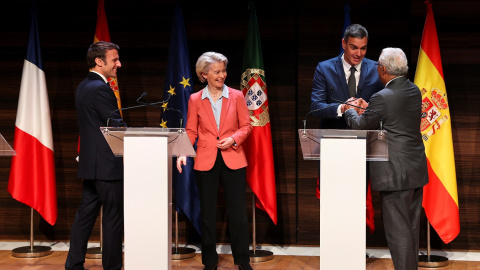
(347, 21)
(179, 86)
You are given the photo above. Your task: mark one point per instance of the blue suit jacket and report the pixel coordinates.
(95, 101)
(329, 83)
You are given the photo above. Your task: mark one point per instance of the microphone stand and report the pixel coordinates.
(134, 107)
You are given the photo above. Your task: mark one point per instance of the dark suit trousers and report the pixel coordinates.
(401, 217)
(96, 193)
(234, 185)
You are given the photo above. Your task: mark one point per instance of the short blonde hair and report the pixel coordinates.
(205, 60)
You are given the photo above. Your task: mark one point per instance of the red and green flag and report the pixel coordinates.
(258, 146)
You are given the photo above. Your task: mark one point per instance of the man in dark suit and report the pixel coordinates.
(101, 171)
(400, 180)
(348, 75)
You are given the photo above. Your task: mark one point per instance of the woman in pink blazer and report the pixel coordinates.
(218, 120)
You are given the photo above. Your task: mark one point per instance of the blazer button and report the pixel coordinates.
(218, 138)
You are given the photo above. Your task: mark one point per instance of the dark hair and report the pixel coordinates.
(355, 31)
(99, 50)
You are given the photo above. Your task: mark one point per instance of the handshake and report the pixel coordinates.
(355, 103)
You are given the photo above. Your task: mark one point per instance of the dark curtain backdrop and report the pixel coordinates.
(295, 35)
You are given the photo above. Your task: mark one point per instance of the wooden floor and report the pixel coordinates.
(56, 261)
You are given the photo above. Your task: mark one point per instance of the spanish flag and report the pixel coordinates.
(102, 34)
(440, 199)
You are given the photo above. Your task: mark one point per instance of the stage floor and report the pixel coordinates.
(56, 261)
(285, 257)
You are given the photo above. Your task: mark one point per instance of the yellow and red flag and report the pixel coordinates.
(102, 34)
(440, 199)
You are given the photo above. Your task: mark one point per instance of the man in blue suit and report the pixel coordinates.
(348, 75)
(100, 170)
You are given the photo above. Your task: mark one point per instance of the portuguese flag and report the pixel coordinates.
(258, 146)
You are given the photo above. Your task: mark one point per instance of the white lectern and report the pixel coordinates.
(343, 155)
(147, 156)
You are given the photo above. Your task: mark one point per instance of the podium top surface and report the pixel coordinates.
(376, 141)
(178, 141)
(5, 148)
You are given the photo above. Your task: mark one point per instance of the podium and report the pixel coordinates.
(147, 154)
(343, 155)
(5, 148)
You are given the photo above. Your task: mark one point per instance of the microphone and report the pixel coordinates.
(366, 109)
(312, 111)
(138, 106)
(141, 96)
(165, 108)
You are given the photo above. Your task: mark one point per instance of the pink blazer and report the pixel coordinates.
(234, 122)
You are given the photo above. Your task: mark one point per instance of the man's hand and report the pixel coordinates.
(362, 103)
(348, 104)
(181, 161)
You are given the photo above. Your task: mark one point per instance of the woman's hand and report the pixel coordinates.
(225, 143)
(181, 161)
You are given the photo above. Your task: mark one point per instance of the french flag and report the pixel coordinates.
(32, 173)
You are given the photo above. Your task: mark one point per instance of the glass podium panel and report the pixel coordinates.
(5, 148)
(377, 141)
(178, 141)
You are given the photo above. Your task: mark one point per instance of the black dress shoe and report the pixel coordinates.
(210, 267)
(245, 266)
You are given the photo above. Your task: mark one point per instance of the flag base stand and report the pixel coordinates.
(94, 253)
(31, 252)
(432, 261)
(255, 254)
(260, 256)
(181, 253)
(429, 260)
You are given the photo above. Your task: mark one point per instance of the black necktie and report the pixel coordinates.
(352, 84)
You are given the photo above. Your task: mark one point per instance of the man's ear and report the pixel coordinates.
(98, 61)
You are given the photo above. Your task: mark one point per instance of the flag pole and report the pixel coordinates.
(31, 251)
(431, 261)
(96, 252)
(180, 253)
(257, 255)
